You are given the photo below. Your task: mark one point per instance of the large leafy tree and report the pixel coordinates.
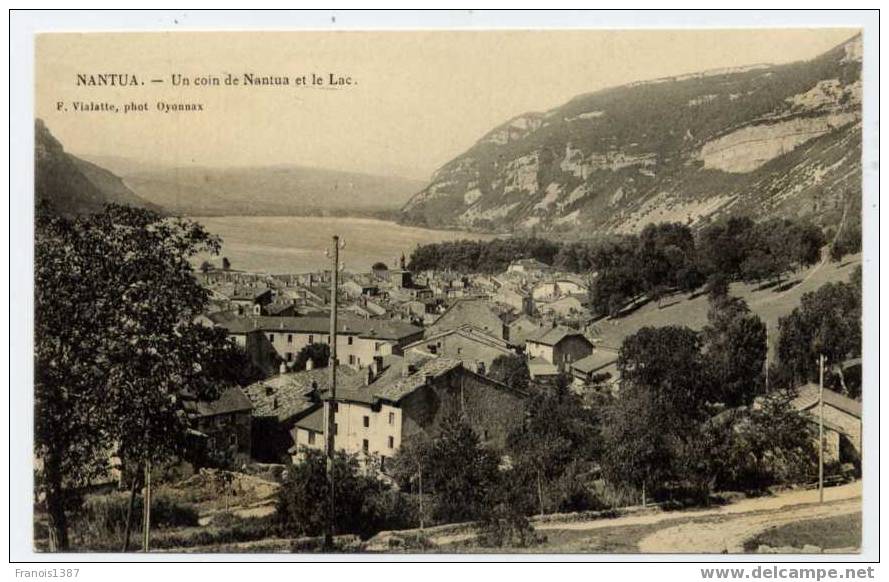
(663, 399)
(360, 498)
(558, 441)
(734, 343)
(828, 322)
(116, 349)
(458, 470)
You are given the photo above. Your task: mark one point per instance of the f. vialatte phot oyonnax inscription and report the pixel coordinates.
(475, 291)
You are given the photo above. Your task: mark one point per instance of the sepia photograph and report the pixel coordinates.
(449, 292)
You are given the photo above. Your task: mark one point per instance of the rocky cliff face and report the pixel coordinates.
(762, 140)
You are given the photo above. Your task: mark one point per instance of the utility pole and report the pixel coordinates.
(146, 509)
(421, 498)
(821, 428)
(331, 399)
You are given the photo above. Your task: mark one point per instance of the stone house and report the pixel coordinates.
(560, 346)
(271, 341)
(406, 397)
(842, 422)
(222, 428)
(477, 312)
(474, 348)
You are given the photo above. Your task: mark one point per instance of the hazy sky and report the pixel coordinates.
(421, 98)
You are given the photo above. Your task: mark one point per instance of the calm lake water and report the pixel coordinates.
(296, 244)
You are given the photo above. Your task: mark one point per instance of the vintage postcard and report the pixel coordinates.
(449, 292)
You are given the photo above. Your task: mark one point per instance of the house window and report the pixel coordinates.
(391, 418)
(289, 356)
(272, 337)
(351, 339)
(311, 438)
(336, 428)
(459, 351)
(289, 338)
(391, 442)
(365, 445)
(366, 421)
(311, 339)
(351, 359)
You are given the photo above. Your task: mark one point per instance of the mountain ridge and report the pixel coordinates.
(72, 186)
(280, 189)
(700, 145)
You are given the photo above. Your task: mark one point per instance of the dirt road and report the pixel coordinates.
(725, 528)
(729, 535)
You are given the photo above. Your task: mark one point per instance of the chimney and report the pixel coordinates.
(310, 364)
(369, 375)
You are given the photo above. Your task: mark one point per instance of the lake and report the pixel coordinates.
(296, 244)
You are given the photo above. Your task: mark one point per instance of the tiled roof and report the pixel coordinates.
(313, 421)
(540, 367)
(550, 336)
(385, 329)
(600, 358)
(393, 385)
(243, 292)
(292, 391)
(467, 331)
(231, 400)
(807, 397)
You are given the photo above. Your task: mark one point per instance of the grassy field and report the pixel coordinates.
(691, 310)
(842, 531)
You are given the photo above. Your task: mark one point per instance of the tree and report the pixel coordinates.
(558, 441)
(828, 322)
(663, 397)
(510, 369)
(226, 264)
(734, 343)
(364, 504)
(319, 354)
(637, 442)
(460, 471)
(116, 349)
(847, 242)
(667, 362)
(771, 443)
(723, 246)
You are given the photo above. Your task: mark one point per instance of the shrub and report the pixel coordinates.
(102, 520)
(364, 504)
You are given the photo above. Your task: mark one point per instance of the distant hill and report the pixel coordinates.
(763, 140)
(74, 186)
(270, 190)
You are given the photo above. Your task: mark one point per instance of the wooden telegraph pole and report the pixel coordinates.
(146, 508)
(331, 399)
(821, 428)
